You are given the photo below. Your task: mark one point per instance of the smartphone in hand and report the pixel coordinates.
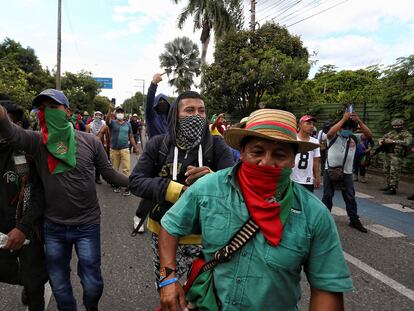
(350, 108)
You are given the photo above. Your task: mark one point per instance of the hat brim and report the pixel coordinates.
(39, 98)
(234, 136)
(309, 119)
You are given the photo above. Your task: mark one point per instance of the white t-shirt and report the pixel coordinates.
(303, 171)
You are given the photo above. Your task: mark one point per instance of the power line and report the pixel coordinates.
(320, 12)
(315, 3)
(302, 11)
(281, 8)
(66, 10)
(273, 5)
(297, 2)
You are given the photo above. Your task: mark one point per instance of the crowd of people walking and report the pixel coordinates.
(226, 205)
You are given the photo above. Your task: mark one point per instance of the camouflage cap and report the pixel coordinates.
(397, 122)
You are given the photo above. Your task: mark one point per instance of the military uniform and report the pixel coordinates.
(394, 153)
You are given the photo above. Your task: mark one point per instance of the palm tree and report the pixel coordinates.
(218, 15)
(181, 59)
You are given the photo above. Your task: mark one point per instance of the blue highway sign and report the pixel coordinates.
(106, 83)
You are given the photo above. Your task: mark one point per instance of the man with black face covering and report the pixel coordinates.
(21, 216)
(170, 163)
(156, 109)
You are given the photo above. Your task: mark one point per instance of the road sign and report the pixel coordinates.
(105, 83)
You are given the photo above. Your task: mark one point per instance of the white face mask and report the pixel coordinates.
(119, 116)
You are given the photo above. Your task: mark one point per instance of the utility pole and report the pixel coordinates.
(59, 44)
(143, 91)
(252, 14)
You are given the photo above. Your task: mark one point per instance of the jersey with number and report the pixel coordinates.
(303, 171)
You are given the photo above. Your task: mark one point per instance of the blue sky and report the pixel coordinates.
(122, 39)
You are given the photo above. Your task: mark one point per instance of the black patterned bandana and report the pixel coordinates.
(189, 131)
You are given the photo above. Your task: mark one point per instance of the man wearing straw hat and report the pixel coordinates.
(295, 230)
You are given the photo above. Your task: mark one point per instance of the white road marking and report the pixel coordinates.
(399, 207)
(380, 276)
(363, 195)
(48, 294)
(384, 231)
(337, 211)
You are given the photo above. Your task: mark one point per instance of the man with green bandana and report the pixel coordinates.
(296, 231)
(65, 160)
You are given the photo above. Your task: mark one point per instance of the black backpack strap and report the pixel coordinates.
(208, 152)
(162, 151)
(332, 142)
(145, 206)
(346, 151)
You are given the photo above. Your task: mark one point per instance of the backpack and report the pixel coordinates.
(145, 206)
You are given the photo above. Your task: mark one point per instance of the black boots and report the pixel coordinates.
(390, 191)
(357, 225)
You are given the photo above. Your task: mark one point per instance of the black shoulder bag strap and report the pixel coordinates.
(346, 149)
(244, 235)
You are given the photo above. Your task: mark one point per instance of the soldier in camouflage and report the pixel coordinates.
(396, 143)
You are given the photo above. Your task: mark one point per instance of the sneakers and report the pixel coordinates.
(391, 191)
(356, 224)
(362, 179)
(117, 190)
(385, 188)
(126, 193)
(411, 197)
(136, 223)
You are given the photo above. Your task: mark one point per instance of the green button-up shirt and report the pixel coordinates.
(261, 276)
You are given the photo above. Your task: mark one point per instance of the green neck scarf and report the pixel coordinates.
(59, 137)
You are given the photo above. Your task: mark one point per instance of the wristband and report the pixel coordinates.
(165, 272)
(167, 282)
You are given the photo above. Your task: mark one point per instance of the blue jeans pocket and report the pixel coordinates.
(87, 227)
(51, 227)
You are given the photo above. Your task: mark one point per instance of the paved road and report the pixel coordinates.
(381, 261)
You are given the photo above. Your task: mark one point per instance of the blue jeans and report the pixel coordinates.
(59, 240)
(348, 194)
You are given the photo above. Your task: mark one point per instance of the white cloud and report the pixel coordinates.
(353, 15)
(146, 62)
(156, 9)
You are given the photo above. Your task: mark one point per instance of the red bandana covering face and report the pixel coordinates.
(261, 187)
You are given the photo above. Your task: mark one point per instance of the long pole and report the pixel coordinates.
(143, 93)
(59, 44)
(252, 14)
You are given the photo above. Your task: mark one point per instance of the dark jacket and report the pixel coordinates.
(151, 179)
(156, 123)
(33, 209)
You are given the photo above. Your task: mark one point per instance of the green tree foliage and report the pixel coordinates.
(101, 103)
(399, 87)
(135, 104)
(221, 16)
(357, 87)
(14, 84)
(254, 67)
(81, 90)
(12, 52)
(180, 59)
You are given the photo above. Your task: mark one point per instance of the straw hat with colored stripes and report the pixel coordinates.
(270, 124)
